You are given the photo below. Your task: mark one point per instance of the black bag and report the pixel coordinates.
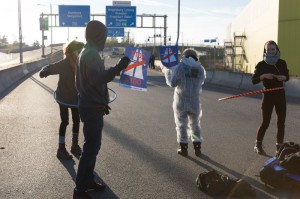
(272, 174)
(292, 163)
(276, 176)
(286, 149)
(215, 183)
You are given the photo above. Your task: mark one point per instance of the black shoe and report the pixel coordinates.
(81, 195)
(197, 148)
(183, 149)
(96, 186)
(259, 149)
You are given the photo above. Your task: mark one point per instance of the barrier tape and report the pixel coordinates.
(251, 93)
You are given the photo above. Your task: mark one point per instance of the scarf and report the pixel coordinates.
(271, 59)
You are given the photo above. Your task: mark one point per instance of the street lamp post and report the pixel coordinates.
(20, 32)
(51, 25)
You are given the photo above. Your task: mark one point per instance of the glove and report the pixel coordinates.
(106, 111)
(123, 63)
(43, 74)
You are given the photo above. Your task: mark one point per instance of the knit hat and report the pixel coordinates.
(96, 33)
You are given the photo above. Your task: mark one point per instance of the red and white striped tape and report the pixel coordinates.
(251, 93)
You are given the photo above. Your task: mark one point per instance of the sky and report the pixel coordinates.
(199, 20)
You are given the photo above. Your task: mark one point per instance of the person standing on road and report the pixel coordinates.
(91, 83)
(66, 96)
(187, 78)
(273, 72)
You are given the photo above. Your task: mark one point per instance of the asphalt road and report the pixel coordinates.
(138, 157)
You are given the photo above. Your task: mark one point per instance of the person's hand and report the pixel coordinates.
(107, 109)
(43, 74)
(123, 63)
(267, 76)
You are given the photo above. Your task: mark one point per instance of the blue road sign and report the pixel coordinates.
(121, 16)
(115, 32)
(73, 16)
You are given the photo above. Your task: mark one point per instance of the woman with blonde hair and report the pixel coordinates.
(66, 96)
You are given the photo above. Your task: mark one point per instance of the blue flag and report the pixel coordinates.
(168, 55)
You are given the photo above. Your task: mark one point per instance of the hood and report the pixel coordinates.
(96, 33)
(190, 61)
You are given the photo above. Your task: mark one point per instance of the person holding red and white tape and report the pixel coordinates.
(272, 72)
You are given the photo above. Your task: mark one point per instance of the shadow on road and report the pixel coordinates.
(70, 167)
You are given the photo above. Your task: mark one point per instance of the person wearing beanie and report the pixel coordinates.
(187, 78)
(91, 83)
(66, 96)
(273, 73)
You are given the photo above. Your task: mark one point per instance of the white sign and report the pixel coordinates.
(121, 3)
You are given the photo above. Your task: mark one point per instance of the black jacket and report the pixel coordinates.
(66, 91)
(280, 68)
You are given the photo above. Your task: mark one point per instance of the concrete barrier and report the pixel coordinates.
(227, 78)
(12, 75)
(209, 76)
(292, 87)
(247, 83)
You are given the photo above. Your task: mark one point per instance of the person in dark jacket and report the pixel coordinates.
(273, 72)
(91, 83)
(66, 96)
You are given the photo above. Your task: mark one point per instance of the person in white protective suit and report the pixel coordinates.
(187, 78)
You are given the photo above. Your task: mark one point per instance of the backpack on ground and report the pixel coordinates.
(278, 177)
(292, 163)
(286, 149)
(215, 183)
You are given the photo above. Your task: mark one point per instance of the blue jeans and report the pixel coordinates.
(92, 131)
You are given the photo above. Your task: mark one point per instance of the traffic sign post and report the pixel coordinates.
(121, 16)
(73, 16)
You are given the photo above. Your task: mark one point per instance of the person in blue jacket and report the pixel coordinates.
(273, 73)
(66, 96)
(187, 78)
(91, 82)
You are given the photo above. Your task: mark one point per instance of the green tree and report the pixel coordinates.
(3, 40)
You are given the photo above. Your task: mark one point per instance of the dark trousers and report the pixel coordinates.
(64, 116)
(273, 99)
(92, 131)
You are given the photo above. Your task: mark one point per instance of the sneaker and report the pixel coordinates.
(259, 149)
(76, 150)
(62, 153)
(81, 195)
(96, 186)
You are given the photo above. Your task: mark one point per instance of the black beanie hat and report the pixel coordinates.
(96, 33)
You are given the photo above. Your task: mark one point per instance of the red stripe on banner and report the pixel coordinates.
(134, 65)
(169, 55)
(251, 93)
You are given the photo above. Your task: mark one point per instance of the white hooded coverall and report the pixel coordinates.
(187, 78)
